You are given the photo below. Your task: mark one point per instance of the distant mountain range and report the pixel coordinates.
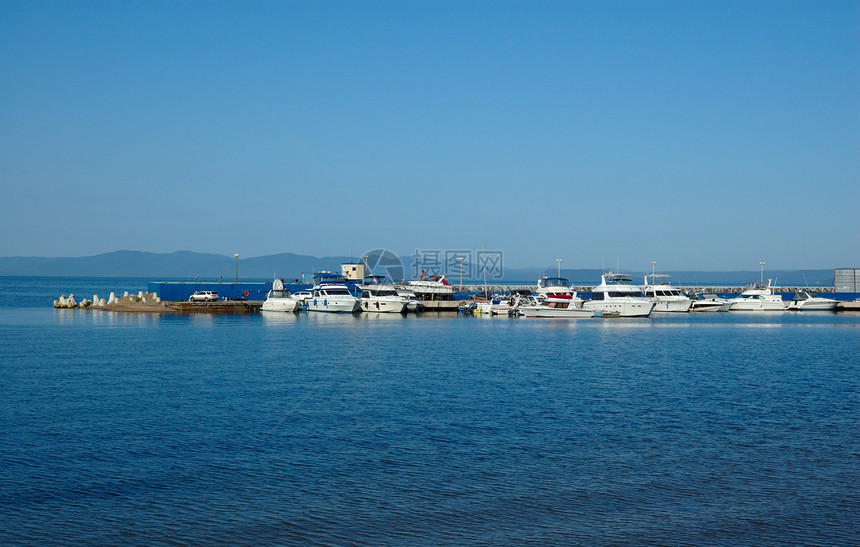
(191, 265)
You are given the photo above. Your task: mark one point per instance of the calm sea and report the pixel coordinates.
(436, 429)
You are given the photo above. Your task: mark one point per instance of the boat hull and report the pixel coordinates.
(620, 309)
(757, 305)
(806, 305)
(710, 306)
(332, 305)
(383, 305)
(283, 305)
(559, 313)
(672, 306)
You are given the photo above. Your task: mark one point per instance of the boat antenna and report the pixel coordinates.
(484, 266)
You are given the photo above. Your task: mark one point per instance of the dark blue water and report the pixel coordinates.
(319, 429)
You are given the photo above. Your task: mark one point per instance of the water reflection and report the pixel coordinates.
(275, 318)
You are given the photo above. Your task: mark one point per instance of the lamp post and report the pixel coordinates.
(653, 268)
(762, 271)
(237, 267)
(460, 258)
(559, 266)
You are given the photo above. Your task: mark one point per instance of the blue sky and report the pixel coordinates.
(701, 135)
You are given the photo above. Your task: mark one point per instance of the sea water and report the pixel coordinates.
(685, 429)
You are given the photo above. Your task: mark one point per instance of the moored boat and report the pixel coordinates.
(330, 294)
(279, 299)
(377, 295)
(758, 296)
(616, 295)
(810, 301)
(543, 307)
(658, 288)
(709, 302)
(557, 290)
(432, 292)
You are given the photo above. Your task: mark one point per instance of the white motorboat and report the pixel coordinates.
(557, 290)
(500, 304)
(758, 296)
(377, 295)
(279, 299)
(544, 307)
(616, 295)
(330, 294)
(658, 288)
(810, 301)
(432, 287)
(710, 302)
(431, 292)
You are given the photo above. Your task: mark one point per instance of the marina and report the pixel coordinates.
(423, 428)
(378, 296)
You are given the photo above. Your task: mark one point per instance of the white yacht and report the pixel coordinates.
(280, 299)
(544, 307)
(616, 295)
(557, 290)
(431, 292)
(758, 296)
(330, 294)
(658, 288)
(431, 287)
(710, 302)
(377, 295)
(810, 301)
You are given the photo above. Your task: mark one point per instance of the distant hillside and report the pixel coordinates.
(190, 265)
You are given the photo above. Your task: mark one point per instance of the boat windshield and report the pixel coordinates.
(618, 279)
(617, 294)
(367, 293)
(757, 285)
(555, 282)
(658, 279)
(333, 291)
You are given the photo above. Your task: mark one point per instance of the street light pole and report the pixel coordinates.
(559, 266)
(237, 267)
(653, 268)
(461, 271)
(762, 271)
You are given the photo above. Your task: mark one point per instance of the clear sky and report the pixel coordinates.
(701, 135)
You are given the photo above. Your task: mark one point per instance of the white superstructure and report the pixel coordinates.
(557, 290)
(279, 299)
(616, 295)
(433, 287)
(658, 288)
(543, 307)
(758, 297)
(377, 295)
(330, 294)
(810, 301)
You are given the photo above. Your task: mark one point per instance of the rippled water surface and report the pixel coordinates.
(313, 428)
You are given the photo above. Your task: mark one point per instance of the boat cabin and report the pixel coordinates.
(554, 282)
